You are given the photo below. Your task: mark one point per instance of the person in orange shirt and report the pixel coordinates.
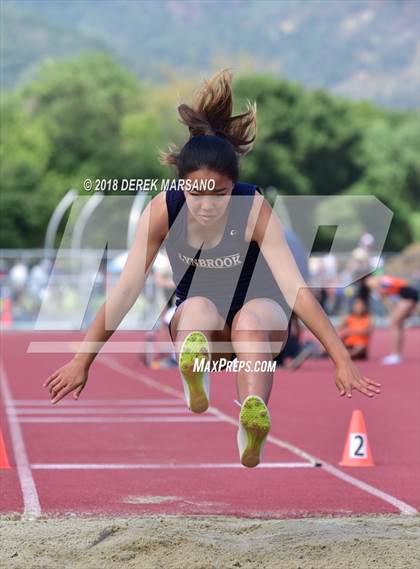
(356, 328)
(387, 286)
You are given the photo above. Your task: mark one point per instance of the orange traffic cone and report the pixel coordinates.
(357, 450)
(4, 461)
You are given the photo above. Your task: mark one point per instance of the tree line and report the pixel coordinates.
(90, 118)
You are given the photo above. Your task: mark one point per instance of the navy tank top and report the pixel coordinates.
(225, 272)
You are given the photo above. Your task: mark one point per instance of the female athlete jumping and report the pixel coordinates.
(229, 298)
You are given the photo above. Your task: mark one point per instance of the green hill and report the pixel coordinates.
(357, 48)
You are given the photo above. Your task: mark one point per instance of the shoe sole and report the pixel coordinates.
(255, 419)
(195, 347)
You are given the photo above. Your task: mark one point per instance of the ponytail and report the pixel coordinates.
(217, 139)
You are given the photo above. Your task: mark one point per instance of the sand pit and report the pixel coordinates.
(172, 542)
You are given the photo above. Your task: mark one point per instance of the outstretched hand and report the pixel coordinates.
(348, 377)
(70, 377)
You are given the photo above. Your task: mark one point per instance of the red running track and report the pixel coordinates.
(130, 446)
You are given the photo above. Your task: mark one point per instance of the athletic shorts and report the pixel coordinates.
(409, 293)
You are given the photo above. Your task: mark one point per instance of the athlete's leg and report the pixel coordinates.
(260, 320)
(396, 325)
(200, 314)
(194, 327)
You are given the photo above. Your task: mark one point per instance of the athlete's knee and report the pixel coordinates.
(246, 321)
(396, 321)
(259, 311)
(201, 312)
(200, 303)
(250, 328)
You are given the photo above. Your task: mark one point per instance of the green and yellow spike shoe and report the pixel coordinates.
(195, 349)
(254, 426)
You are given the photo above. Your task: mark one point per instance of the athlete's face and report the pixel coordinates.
(209, 205)
(359, 307)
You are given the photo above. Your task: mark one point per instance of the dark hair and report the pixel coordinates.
(217, 139)
(364, 300)
(363, 291)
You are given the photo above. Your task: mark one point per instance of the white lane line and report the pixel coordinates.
(110, 419)
(169, 466)
(32, 507)
(399, 504)
(103, 402)
(56, 409)
(402, 506)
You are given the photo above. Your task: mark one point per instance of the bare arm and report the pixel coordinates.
(269, 235)
(151, 230)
